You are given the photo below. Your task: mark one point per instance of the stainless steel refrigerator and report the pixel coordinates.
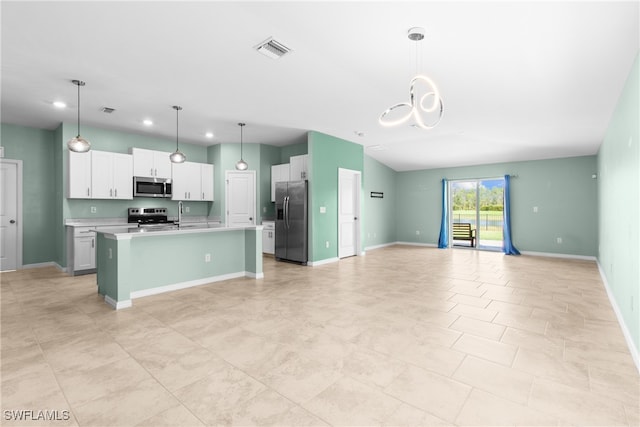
(291, 221)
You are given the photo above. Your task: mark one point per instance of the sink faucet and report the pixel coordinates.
(180, 212)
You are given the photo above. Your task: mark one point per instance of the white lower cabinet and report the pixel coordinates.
(269, 237)
(84, 249)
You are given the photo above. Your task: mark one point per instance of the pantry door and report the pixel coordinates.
(240, 198)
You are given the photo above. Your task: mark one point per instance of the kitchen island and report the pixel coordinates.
(135, 262)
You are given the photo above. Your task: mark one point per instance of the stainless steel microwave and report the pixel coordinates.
(151, 187)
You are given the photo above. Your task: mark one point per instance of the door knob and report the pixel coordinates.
(13, 221)
(355, 218)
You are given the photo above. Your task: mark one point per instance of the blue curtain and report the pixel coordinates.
(443, 240)
(507, 245)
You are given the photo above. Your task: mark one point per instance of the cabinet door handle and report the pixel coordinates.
(202, 196)
(185, 194)
(151, 172)
(111, 192)
(116, 193)
(93, 243)
(189, 194)
(88, 191)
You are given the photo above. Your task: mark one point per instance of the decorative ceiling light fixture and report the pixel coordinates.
(177, 156)
(425, 103)
(78, 144)
(241, 165)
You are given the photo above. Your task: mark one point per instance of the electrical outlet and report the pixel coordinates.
(535, 209)
(264, 209)
(323, 209)
(417, 232)
(110, 253)
(207, 257)
(559, 240)
(94, 209)
(326, 244)
(187, 209)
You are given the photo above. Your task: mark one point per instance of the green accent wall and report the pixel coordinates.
(326, 155)
(269, 155)
(378, 214)
(35, 147)
(292, 150)
(562, 189)
(619, 204)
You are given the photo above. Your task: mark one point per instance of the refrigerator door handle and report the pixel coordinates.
(286, 211)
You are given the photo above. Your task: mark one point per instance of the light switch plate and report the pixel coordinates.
(323, 209)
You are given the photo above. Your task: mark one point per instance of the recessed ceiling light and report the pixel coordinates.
(59, 104)
(147, 122)
(209, 134)
(377, 147)
(359, 133)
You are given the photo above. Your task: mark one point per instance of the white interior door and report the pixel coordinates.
(240, 198)
(10, 224)
(348, 213)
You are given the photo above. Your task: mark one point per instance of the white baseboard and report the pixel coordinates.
(428, 245)
(118, 305)
(254, 275)
(554, 255)
(184, 285)
(44, 264)
(616, 309)
(384, 245)
(322, 262)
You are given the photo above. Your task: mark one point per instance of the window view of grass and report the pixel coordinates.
(479, 203)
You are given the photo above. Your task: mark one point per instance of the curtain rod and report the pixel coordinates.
(480, 178)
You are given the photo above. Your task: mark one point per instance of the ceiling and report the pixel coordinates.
(519, 80)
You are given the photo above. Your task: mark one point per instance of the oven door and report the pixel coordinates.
(148, 187)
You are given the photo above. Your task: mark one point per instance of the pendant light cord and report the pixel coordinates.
(78, 84)
(177, 128)
(241, 156)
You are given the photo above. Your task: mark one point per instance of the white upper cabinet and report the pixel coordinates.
(111, 175)
(206, 180)
(79, 175)
(150, 163)
(192, 181)
(298, 170)
(279, 173)
(100, 175)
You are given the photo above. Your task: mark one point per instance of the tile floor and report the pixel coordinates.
(401, 336)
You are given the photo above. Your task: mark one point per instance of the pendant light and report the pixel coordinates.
(78, 144)
(425, 103)
(241, 165)
(177, 156)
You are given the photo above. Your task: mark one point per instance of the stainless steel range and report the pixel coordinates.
(149, 217)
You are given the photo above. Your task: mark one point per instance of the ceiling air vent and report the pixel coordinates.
(108, 110)
(272, 48)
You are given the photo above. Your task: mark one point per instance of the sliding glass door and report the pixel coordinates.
(476, 213)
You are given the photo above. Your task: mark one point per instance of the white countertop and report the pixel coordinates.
(123, 233)
(122, 222)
